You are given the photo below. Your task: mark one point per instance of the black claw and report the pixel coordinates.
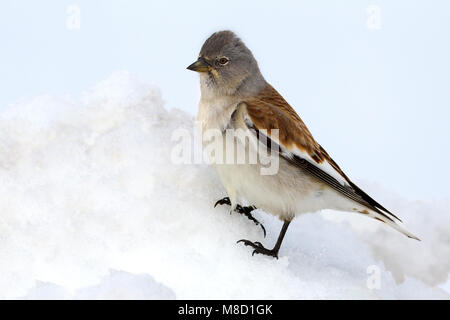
(264, 229)
(247, 212)
(259, 248)
(223, 201)
(244, 241)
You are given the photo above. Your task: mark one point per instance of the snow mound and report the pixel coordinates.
(117, 285)
(92, 207)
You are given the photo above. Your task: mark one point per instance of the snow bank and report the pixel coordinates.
(116, 285)
(92, 207)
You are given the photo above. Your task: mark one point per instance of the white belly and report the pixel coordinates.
(287, 193)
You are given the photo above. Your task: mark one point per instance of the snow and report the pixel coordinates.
(116, 285)
(92, 207)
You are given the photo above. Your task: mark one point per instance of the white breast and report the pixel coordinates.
(285, 194)
(215, 113)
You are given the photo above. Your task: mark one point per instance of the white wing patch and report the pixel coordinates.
(324, 166)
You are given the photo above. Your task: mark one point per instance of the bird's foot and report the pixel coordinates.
(246, 211)
(223, 201)
(259, 248)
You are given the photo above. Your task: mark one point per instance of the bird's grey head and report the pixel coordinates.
(227, 66)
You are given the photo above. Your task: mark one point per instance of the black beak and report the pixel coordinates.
(201, 65)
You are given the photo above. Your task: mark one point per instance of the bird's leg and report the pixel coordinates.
(259, 248)
(246, 211)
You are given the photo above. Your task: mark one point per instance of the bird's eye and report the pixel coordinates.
(223, 61)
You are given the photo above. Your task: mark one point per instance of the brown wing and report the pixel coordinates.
(270, 111)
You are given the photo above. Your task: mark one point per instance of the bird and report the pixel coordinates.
(236, 96)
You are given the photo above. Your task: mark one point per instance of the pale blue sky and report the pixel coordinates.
(377, 100)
